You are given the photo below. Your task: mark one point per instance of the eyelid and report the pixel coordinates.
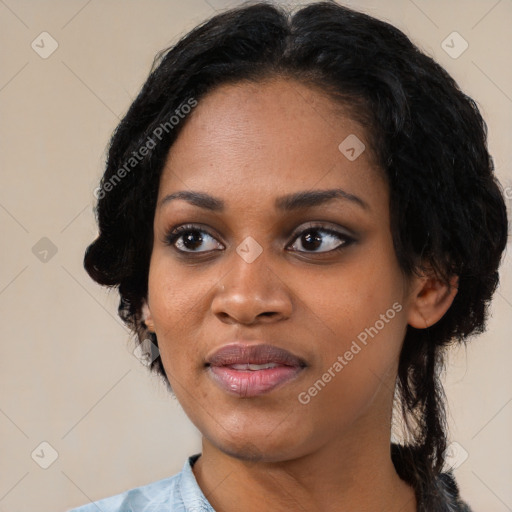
(191, 226)
(328, 227)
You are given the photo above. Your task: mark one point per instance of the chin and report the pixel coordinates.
(258, 445)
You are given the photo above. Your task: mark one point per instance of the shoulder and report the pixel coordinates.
(158, 495)
(177, 493)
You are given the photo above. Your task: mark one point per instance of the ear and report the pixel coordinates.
(147, 318)
(430, 299)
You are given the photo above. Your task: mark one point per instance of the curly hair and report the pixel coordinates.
(446, 207)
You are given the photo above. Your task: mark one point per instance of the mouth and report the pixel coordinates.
(252, 370)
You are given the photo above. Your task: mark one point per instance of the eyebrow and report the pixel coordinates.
(298, 200)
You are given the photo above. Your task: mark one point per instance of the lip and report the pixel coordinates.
(283, 366)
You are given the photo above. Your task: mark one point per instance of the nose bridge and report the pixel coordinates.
(250, 265)
(251, 287)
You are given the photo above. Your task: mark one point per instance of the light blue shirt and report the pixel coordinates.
(178, 493)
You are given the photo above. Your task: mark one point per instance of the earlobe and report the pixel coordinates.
(147, 318)
(431, 299)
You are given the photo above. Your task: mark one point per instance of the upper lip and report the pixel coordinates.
(241, 353)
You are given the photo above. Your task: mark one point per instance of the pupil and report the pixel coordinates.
(192, 239)
(311, 239)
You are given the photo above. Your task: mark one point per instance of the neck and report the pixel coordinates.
(355, 473)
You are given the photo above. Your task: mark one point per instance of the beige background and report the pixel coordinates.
(67, 373)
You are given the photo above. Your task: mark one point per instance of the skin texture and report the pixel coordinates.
(248, 144)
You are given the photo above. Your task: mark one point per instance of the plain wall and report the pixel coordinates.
(67, 373)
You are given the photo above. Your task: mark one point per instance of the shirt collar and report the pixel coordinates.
(191, 495)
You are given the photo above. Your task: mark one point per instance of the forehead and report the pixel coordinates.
(269, 138)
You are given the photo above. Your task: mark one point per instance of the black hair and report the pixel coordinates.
(448, 215)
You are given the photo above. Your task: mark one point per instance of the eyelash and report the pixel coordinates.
(175, 233)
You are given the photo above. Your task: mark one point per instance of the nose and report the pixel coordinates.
(251, 293)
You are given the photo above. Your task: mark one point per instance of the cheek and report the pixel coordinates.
(348, 299)
(175, 302)
(360, 318)
(359, 360)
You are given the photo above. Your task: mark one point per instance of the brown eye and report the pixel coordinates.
(311, 240)
(319, 240)
(191, 238)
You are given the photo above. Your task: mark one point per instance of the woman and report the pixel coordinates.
(300, 212)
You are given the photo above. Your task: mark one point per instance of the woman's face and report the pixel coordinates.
(264, 259)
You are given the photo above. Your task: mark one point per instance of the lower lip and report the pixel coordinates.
(249, 383)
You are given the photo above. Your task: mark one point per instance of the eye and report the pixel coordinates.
(188, 238)
(319, 239)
